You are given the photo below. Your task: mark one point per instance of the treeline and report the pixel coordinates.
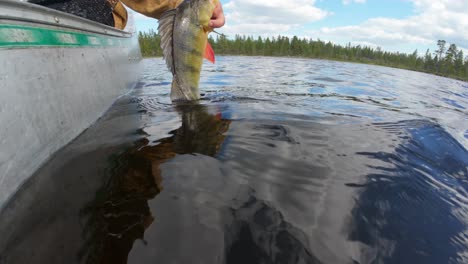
(447, 60)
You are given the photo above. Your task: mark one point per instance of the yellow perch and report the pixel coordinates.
(184, 42)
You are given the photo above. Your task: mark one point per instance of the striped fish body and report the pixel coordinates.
(184, 37)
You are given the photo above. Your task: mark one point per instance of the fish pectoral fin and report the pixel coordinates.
(165, 30)
(207, 29)
(209, 53)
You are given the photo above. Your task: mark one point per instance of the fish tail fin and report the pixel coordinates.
(178, 94)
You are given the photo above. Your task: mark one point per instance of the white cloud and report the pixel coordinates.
(432, 20)
(443, 19)
(347, 2)
(264, 16)
(258, 29)
(139, 16)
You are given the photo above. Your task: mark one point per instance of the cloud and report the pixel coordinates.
(347, 2)
(433, 20)
(275, 16)
(139, 16)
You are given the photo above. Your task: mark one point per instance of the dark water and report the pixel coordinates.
(283, 161)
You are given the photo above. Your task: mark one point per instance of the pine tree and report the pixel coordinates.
(450, 62)
(440, 52)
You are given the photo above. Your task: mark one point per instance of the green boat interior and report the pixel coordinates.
(96, 10)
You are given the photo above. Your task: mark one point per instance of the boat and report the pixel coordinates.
(58, 74)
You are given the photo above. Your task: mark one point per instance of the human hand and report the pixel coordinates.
(218, 19)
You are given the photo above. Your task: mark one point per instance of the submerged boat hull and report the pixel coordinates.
(58, 74)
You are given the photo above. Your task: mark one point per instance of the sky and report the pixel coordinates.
(393, 25)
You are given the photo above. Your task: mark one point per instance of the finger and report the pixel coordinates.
(217, 22)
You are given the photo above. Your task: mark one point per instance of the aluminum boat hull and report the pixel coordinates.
(58, 74)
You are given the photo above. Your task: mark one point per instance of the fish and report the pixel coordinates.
(184, 43)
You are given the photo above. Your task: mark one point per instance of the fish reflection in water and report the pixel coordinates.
(255, 232)
(120, 213)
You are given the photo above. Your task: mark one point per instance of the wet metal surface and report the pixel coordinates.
(283, 161)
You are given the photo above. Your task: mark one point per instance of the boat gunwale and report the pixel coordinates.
(34, 36)
(33, 14)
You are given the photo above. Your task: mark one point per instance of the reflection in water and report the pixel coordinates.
(402, 211)
(258, 233)
(319, 163)
(120, 214)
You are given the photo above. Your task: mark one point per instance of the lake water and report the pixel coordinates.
(283, 161)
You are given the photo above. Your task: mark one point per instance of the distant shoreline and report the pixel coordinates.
(446, 61)
(358, 62)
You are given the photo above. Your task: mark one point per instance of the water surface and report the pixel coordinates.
(282, 161)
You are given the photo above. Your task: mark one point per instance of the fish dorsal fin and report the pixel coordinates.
(209, 53)
(165, 30)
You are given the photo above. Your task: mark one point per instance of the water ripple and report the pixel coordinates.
(283, 160)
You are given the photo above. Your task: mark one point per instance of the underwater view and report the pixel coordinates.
(283, 160)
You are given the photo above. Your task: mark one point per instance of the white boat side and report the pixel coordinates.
(58, 74)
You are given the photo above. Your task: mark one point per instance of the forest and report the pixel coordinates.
(446, 59)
